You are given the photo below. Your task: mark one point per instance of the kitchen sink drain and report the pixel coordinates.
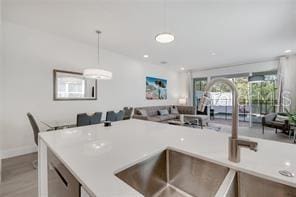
(286, 173)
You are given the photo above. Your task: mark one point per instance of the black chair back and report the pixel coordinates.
(35, 127)
(127, 113)
(113, 117)
(120, 115)
(96, 118)
(84, 119)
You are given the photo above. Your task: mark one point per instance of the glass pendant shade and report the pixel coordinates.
(97, 74)
(164, 38)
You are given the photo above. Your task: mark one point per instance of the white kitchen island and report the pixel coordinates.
(93, 154)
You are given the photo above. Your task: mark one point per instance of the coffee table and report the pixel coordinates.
(200, 119)
(180, 123)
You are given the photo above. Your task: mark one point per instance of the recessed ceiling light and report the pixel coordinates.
(146, 56)
(164, 38)
(213, 53)
(182, 68)
(288, 51)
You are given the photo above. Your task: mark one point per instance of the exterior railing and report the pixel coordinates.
(259, 107)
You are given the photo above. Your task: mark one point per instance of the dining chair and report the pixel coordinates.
(113, 116)
(96, 118)
(84, 119)
(36, 131)
(127, 113)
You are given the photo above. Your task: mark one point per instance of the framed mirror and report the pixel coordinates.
(73, 86)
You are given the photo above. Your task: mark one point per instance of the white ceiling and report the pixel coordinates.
(238, 31)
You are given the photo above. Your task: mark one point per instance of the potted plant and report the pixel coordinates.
(292, 117)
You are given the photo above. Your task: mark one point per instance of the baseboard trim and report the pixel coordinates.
(17, 151)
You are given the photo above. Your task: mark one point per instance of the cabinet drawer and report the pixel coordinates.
(61, 182)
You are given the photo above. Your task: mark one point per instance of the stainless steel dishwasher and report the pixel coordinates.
(61, 183)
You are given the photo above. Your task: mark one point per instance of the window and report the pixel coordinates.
(263, 95)
(221, 98)
(199, 85)
(71, 87)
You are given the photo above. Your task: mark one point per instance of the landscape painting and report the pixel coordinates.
(156, 89)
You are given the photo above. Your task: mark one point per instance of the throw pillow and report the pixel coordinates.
(163, 112)
(174, 110)
(281, 118)
(143, 112)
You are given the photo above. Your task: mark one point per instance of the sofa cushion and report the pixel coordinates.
(143, 112)
(159, 118)
(168, 117)
(280, 118)
(155, 118)
(174, 110)
(165, 118)
(153, 110)
(163, 112)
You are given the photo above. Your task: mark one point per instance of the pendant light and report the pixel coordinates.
(96, 73)
(164, 37)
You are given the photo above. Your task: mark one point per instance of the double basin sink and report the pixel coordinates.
(175, 174)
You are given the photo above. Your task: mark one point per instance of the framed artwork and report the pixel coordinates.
(156, 89)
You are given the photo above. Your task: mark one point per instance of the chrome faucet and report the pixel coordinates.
(234, 142)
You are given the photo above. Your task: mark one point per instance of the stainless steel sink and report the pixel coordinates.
(245, 185)
(174, 174)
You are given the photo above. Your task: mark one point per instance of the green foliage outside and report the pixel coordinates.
(292, 116)
(262, 93)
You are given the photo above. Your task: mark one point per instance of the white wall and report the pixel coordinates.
(31, 56)
(183, 84)
(238, 69)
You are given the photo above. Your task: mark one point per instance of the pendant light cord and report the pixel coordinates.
(98, 32)
(165, 15)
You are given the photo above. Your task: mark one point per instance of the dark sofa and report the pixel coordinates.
(269, 120)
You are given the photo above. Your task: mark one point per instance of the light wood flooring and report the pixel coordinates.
(19, 179)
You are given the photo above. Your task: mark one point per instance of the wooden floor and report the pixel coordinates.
(19, 179)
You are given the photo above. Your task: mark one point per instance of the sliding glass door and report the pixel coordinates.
(221, 99)
(199, 85)
(256, 98)
(263, 97)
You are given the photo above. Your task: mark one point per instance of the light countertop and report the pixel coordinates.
(95, 153)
